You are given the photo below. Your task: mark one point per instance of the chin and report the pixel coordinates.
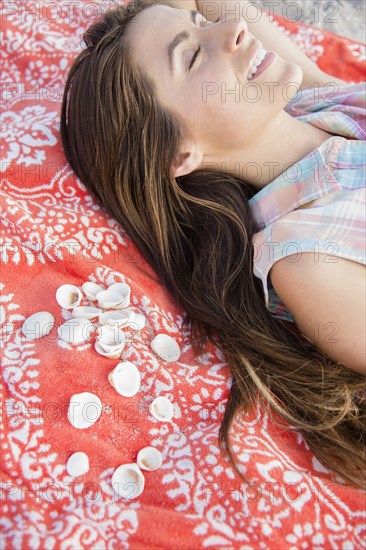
(294, 80)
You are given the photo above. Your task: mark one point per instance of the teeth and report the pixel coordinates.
(258, 60)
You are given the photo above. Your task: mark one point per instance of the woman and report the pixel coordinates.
(140, 124)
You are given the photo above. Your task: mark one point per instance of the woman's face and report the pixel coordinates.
(211, 91)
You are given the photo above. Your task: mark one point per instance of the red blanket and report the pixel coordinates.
(54, 233)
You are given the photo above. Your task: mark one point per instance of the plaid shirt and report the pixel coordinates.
(318, 205)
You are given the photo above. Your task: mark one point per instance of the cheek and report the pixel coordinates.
(222, 123)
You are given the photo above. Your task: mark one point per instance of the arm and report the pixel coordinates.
(328, 304)
(270, 36)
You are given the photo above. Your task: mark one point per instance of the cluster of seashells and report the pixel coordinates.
(114, 317)
(128, 480)
(111, 309)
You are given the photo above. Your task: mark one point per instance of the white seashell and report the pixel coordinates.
(138, 321)
(166, 347)
(78, 464)
(128, 481)
(110, 338)
(86, 312)
(37, 325)
(84, 410)
(125, 379)
(116, 354)
(108, 299)
(149, 458)
(91, 290)
(124, 290)
(76, 330)
(118, 317)
(68, 296)
(162, 409)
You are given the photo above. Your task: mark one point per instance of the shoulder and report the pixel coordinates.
(326, 296)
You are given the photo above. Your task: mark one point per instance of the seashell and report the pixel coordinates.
(78, 464)
(84, 410)
(37, 325)
(76, 330)
(110, 338)
(124, 290)
(107, 299)
(166, 347)
(162, 409)
(91, 290)
(138, 321)
(116, 354)
(128, 481)
(116, 317)
(149, 459)
(125, 379)
(68, 296)
(86, 312)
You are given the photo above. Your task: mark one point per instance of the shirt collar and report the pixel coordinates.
(310, 178)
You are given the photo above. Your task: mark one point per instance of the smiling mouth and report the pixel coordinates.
(262, 54)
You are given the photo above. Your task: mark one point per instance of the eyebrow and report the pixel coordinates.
(184, 35)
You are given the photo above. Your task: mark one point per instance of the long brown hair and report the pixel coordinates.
(196, 233)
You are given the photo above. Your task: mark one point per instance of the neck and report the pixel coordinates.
(284, 143)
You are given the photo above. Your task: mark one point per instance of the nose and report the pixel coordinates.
(233, 33)
(236, 32)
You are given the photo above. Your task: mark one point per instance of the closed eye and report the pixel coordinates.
(194, 57)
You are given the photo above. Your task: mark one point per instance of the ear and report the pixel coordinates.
(187, 162)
